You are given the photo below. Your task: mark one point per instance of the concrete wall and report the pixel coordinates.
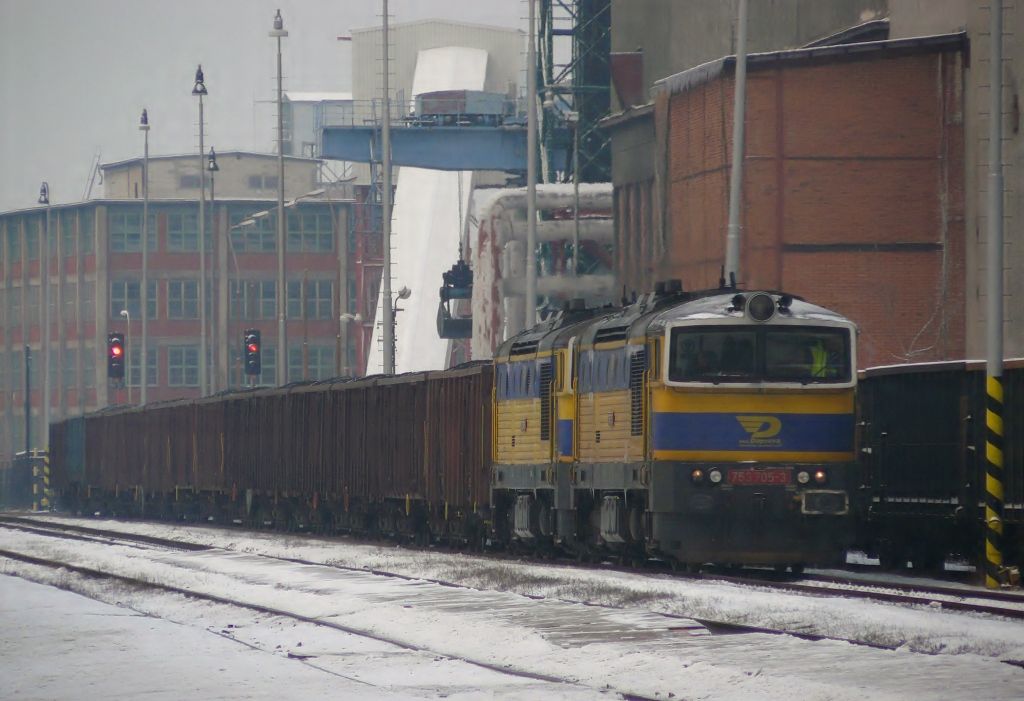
(852, 194)
(231, 181)
(678, 34)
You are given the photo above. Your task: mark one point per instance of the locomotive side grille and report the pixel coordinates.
(637, 365)
(545, 400)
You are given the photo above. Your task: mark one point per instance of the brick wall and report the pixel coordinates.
(852, 193)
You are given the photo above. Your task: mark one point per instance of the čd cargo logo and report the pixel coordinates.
(762, 430)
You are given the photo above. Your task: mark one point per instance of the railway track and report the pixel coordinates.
(949, 598)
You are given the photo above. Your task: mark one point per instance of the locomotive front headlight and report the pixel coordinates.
(761, 307)
(803, 477)
(715, 476)
(697, 475)
(820, 476)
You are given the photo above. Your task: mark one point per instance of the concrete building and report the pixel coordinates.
(94, 255)
(877, 145)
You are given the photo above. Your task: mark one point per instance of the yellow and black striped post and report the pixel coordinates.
(993, 481)
(40, 483)
(994, 435)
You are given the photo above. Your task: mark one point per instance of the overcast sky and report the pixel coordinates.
(75, 75)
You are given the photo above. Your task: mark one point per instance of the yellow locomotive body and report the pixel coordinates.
(713, 426)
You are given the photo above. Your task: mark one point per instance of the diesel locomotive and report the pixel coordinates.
(697, 427)
(701, 427)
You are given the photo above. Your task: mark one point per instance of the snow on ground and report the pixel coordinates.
(59, 645)
(918, 629)
(624, 650)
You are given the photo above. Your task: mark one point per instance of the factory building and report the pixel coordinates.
(95, 262)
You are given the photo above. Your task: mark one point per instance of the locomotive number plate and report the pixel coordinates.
(771, 476)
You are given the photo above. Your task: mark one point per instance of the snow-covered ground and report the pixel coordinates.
(629, 650)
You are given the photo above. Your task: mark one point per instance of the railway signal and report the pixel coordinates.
(251, 341)
(115, 356)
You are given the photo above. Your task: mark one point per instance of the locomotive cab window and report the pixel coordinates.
(743, 355)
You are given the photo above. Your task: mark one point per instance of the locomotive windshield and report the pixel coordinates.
(744, 354)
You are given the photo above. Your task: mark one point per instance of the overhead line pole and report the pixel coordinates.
(994, 434)
(732, 240)
(530, 305)
(388, 332)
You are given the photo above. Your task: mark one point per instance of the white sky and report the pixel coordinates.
(75, 75)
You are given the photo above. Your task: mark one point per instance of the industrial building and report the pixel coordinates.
(94, 254)
(865, 170)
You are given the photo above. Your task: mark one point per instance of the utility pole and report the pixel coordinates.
(278, 33)
(531, 171)
(994, 435)
(385, 136)
(143, 293)
(732, 240)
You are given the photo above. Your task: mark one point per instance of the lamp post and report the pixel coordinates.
(385, 138)
(128, 353)
(404, 293)
(44, 280)
(199, 90)
(144, 292)
(212, 168)
(279, 32)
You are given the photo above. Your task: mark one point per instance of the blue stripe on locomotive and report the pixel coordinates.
(820, 433)
(565, 436)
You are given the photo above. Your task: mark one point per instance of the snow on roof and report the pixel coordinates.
(468, 25)
(296, 96)
(220, 155)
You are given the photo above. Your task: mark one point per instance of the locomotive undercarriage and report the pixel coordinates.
(638, 510)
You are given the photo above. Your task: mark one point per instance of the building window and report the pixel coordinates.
(319, 363)
(70, 301)
(186, 182)
(87, 232)
(182, 299)
(67, 233)
(258, 237)
(13, 243)
(15, 302)
(319, 297)
(310, 232)
(70, 369)
(183, 366)
(31, 303)
(134, 355)
(32, 238)
(263, 182)
(182, 232)
(89, 367)
(87, 297)
(125, 294)
(125, 231)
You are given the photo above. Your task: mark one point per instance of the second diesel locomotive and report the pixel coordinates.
(702, 427)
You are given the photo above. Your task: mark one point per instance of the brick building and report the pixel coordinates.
(852, 186)
(94, 255)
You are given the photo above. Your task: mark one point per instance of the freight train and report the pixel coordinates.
(923, 463)
(697, 427)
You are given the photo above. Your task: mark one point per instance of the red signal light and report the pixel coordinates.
(253, 347)
(115, 351)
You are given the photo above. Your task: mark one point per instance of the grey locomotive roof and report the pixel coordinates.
(719, 306)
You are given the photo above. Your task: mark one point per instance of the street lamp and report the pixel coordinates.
(199, 90)
(212, 168)
(144, 293)
(44, 280)
(404, 293)
(127, 352)
(278, 33)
